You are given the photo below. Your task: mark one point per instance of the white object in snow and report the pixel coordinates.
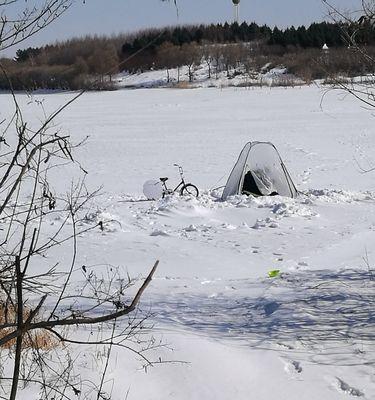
(259, 171)
(153, 189)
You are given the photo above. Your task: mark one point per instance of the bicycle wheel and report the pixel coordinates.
(189, 189)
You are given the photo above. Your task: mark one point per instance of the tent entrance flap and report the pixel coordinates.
(259, 171)
(249, 185)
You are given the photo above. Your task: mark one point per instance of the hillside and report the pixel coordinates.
(92, 62)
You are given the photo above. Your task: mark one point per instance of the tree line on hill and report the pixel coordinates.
(90, 62)
(315, 36)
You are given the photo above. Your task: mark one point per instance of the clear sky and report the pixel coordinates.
(116, 16)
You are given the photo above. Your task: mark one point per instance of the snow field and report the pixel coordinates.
(307, 334)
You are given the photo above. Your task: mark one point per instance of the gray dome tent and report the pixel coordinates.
(259, 171)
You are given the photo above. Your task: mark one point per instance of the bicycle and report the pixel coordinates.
(184, 188)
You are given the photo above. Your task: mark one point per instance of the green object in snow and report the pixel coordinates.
(274, 273)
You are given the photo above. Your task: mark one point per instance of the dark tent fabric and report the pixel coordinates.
(249, 186)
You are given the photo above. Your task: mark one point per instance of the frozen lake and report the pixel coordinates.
(305, 335)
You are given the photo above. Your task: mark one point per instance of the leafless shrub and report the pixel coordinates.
(28, 202)
(354, 24)
(286, 81)
(16, 26)
(191, 55)
(41, 307)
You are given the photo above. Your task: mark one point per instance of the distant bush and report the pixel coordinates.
(87, 63)
(316, 64)
(46, 77)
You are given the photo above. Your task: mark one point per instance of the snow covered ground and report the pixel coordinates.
(306, 334)
(269, 76)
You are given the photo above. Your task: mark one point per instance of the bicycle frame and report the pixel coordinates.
(182, 183)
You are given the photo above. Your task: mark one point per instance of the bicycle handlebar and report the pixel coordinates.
(180, 169)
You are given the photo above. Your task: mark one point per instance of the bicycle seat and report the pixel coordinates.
(163, 179)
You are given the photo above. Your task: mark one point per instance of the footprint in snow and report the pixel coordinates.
(228, 226)
(306, 175)
(303, 264)
(259, 224)
(297, 366)
(271, 307)
(285, 346)
(343, 387)
(293, 367)
(191, 228)
(158, 232)
(268, 222)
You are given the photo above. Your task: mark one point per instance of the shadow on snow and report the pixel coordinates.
(315, 309)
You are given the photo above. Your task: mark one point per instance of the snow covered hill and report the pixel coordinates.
(179, 78)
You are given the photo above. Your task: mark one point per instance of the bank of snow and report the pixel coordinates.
(203, 77)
